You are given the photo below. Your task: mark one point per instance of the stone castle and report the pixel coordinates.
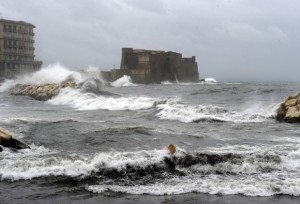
(154, 66)
(16, 48)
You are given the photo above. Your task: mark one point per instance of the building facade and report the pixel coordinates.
(16, 48)
(155, 66)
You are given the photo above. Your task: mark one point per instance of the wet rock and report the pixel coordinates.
(6, 140)
(171, 149)
(289, 110)
(13, 143)
(71, 84)
(42, 92)
(5, 135)
(202, 159)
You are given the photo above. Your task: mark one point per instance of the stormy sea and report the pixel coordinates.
(89, 147)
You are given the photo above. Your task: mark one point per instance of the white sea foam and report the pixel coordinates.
(246, 178)
(209, 81)
(89, 101)
(168, 108)
(123, 81)
(287, 139)
(262, 185)
(194, 113)
(29, 164)
(13, 119)
(166, 83)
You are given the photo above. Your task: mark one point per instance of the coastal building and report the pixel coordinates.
(16, 48)
(154, 66)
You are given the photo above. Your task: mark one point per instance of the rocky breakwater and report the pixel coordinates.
(289, 110)
(42, 92)
(6, 140)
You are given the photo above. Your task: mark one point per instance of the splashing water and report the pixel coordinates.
(53, 73)
(123, 81)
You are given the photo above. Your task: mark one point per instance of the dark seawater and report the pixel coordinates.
(88, 148)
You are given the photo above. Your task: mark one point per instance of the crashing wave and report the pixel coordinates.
(89, 101)
(255, 173)
(172, 110)
(123, 81)
(93, 85)
(208, 81)
(53, 74)
(167, 108)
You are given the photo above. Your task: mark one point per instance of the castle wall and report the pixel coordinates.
(189, 70)
(155, 66)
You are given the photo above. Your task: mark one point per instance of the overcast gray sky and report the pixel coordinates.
(231, 39)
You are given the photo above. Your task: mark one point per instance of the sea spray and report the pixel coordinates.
(208, 81)
(90, 101)
(167, 108)
(197, 113)
(260, 172)
(93, 85)
(123, 81)
(53, 73)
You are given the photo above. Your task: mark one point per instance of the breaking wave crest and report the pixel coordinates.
(53, 73)
(201, 113)
(254, 173)
(166, 108)
(89, 101)
(123, 81)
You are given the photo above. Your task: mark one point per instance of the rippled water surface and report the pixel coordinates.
(93, 148)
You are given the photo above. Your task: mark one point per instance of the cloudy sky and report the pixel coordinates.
(232, 40)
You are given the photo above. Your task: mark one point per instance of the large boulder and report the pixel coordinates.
(6, 140)
(42, 92)
(4, 134)
(289, 110)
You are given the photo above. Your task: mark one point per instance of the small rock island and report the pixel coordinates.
(289, 110)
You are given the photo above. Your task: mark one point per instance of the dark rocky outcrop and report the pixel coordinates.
(42, 92)
(6, 140)
(203, 159)
(289, 110)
